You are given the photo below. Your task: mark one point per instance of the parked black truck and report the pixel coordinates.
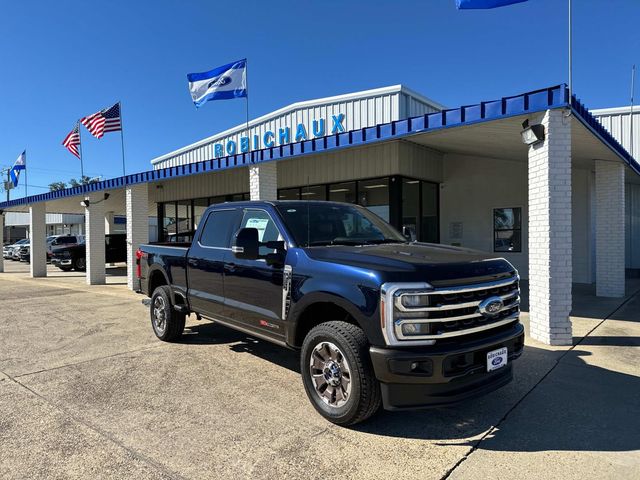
(378, 319)
(74, 256)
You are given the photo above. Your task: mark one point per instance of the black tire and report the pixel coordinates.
(167, 324)
(80, 264)
(66, 269)
(363, 399)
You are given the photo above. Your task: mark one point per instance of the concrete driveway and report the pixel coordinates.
(86, 391)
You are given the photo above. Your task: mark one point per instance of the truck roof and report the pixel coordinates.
(273, 203)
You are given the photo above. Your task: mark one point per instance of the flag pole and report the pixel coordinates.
(124, 170)
(8, 181)
(80, 150)
(246, 84)
(570, 56)
(26, 186)
(633, 80)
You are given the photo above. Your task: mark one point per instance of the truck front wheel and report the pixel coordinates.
(167, 324)
(337, 373)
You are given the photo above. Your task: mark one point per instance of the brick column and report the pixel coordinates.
(610, 226)
(38, 239)
(137, 227)
(95, 247)
(263, 181)
(550, 248)
(1, 241)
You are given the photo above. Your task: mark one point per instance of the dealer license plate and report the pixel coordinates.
(497, 359)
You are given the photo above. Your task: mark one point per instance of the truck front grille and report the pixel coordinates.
(455, 311)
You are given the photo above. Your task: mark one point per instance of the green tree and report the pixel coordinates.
(55, 186)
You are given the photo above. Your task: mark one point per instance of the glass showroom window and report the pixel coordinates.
(374, 194)
(507, 229)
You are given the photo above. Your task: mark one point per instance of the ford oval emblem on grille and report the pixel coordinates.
(491, 306)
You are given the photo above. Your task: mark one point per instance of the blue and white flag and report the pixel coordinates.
(21, 164)
(482, 4)
(222, 83)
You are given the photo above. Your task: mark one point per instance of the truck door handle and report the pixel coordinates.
(193, 262)
(230, 267)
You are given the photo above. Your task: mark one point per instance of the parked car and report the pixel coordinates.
(378, 319)
(7, 250)
(74, 256)
(15, 253)
(62, 240)
(24, 253)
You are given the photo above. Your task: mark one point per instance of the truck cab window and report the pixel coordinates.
(267, 229)
(217, 229)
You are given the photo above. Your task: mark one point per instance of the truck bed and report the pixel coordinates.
(171, 258)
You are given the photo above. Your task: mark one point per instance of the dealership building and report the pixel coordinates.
(535, 178)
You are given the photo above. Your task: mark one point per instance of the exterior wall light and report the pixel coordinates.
(532, 134)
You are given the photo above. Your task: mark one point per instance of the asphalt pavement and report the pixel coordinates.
(87, 391)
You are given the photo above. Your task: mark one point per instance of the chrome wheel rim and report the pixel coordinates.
(159, 315)
(330, 374)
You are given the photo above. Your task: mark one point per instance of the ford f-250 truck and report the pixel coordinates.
(378, 319)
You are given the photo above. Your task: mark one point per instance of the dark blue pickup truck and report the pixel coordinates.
(378, 319)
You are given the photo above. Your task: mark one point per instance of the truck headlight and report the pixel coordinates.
(414, 300)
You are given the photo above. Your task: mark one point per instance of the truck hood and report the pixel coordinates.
(434, 263)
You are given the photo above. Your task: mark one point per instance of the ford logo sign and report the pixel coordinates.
(219, 82)
(491, 306)
(496, 361)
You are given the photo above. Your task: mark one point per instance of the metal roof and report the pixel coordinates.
(526, 103)
(259, 125)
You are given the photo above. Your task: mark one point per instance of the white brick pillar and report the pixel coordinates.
(95, 247)
(137, 227)
(38, 239)
(550, 248)
(610, 226)
(1, 241)
(263, 181)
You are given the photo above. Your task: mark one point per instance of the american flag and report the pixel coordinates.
(72, 140)
(107, 120)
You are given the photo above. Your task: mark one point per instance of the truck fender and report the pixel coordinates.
(320, 297)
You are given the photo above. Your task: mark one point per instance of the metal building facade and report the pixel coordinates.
(618, 121)
(359, 110)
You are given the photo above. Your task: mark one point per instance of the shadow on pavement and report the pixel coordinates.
(576, 407)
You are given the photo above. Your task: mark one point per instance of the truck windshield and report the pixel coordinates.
(335, 224)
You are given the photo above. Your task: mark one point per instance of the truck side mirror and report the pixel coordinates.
(408, 233)
(246, 244)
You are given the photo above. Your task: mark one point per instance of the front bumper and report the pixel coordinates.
(61, 262)
(438, 375)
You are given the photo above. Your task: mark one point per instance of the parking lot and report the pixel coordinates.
(87, 391)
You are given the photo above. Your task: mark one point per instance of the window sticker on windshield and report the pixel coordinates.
(259, 224)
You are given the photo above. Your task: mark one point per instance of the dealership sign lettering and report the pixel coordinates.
(282, 137)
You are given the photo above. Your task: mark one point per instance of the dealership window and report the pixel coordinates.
(374, 194)
(315, 192)
(430, 221)
(184, 216)
(343, 192)
(169, 220)
(199, 207)
(507, 229)
(289, 194)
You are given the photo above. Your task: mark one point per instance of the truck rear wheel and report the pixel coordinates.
(337, 373)
(167, 324)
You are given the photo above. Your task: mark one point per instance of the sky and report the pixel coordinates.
(60, 61)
